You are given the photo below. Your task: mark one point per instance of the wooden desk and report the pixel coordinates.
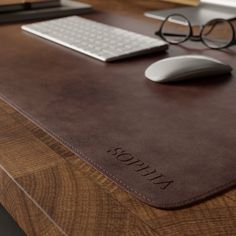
(49, 191)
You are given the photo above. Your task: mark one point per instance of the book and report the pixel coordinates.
(65, 8)
(22, 5)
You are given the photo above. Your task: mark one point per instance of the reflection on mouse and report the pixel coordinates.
(185, 67)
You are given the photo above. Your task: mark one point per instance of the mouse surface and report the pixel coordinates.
(185, 67)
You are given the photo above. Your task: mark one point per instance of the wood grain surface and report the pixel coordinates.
(50, 191)
(186, 2)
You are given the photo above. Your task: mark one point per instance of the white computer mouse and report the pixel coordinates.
(185, 67)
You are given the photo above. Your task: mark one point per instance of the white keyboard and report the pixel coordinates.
(106, 43)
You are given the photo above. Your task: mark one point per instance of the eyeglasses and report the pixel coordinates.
(216, 34)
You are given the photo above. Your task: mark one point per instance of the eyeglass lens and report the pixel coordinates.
(176, 33)
(217, 34)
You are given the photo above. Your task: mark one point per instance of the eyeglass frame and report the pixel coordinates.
(199, 37)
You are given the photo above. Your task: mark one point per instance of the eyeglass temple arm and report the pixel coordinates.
(212, 28)
(193, 37)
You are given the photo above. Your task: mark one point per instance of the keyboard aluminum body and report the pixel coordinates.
(103, 42)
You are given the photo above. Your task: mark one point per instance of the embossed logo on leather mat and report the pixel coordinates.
(149, 173)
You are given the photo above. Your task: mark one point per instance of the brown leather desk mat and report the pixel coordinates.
(169, 145)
